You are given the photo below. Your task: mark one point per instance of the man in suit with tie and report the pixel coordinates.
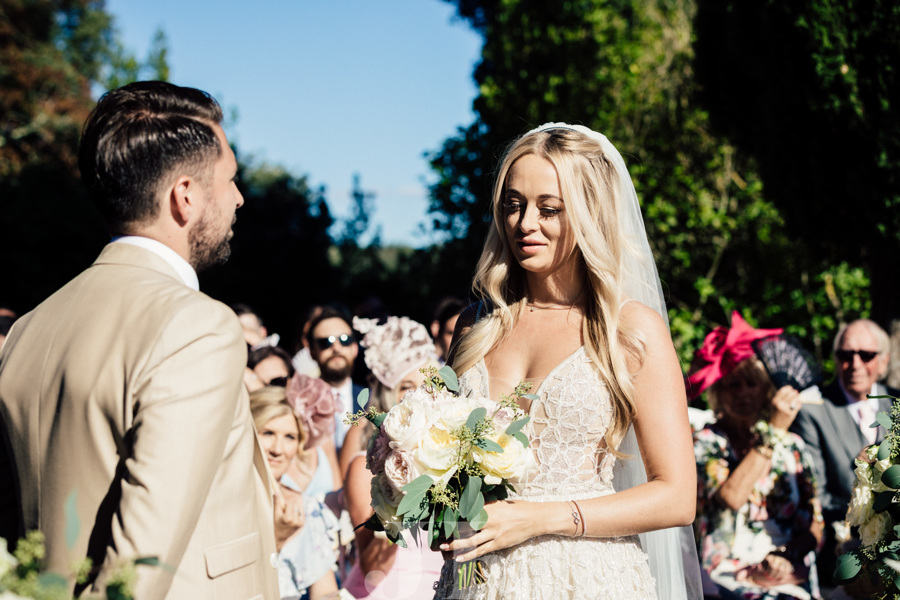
(123, 416)
(837, 430)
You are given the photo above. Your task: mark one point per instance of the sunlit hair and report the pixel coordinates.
(270, 403)
(884, 341)
(589, 185)
(750, 370)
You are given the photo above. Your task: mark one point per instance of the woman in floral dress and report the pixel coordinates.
(758, 519)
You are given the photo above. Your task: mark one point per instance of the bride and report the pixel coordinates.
(572, 304)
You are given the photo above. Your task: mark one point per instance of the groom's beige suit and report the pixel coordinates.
(122, 404)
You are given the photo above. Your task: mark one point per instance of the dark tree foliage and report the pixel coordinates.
(626, 69)
(279, 262)
(810, 89)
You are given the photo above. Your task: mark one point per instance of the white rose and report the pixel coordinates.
(875, 529)
(881, 466)
(511, 464)
(406, 421)
(384, 509)
(400, 469)
(863, 472)
(860, 510)
(437, 450)
(454, 411)
(872, 452)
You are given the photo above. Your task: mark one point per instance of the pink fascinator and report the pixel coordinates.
(395, 348)
(315, 405)
(722, 351)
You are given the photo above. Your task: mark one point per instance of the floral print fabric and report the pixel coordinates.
(781, 506)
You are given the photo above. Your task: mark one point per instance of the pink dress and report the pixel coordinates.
(412, 577)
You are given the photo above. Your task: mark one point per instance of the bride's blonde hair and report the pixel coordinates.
(589, 184)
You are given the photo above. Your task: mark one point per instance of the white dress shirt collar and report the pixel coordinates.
(181, 266)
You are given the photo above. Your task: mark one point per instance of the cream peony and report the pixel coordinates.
(860, 510)
(437, 450)
(512, 464)
(400, 469)
(875, 529)
(407, 421)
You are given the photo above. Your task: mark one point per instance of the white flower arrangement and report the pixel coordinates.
(875, 510)
(436, 458)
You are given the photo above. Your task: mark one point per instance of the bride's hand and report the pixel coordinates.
(510, 522)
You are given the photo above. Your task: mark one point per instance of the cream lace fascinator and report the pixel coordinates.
(394, 348)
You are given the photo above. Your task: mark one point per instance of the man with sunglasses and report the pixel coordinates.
(333, 346)
(837, 430)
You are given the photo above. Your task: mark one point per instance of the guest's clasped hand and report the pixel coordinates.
(774, 570)
(289, 514)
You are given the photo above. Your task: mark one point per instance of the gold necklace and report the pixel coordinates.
(534, 307)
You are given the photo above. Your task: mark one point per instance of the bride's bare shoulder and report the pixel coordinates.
(651, 326)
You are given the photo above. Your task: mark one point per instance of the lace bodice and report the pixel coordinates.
(567, 429)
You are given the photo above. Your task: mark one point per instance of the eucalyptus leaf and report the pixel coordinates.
(884, 450)
(431, 531)
(449, 377)
(469, 497)
(516, 426)
(475, 417)
(882, 501)
(363, 398)
(847, 567)
(450, 521)
(152, 561)
(378, 419)
(477, 508)
(489, 445)
(415, 493)
(399, 541)
(531, 397)
(883, 419)
(891, 477)
(480, 520)
(521, 437)
(897, 582)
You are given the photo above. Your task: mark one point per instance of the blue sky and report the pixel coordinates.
(327, 88)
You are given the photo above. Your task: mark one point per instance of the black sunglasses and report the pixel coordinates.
(847, 355)
(327, 342)
(279, 381)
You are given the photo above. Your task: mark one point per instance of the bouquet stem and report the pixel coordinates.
(470, 573)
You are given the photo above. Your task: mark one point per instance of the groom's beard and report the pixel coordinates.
(207, 247)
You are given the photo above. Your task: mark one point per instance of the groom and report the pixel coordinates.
(125, 422)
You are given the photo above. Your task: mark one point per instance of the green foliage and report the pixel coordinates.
(53, 54)
(627, 69)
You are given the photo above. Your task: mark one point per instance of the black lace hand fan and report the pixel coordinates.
(788, 362)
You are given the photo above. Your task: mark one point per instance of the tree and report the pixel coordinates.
(626, 68)
(279, 262)
(809, 90)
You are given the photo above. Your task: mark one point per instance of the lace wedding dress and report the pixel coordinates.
(567, 431)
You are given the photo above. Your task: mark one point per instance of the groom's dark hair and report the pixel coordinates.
(136, 136)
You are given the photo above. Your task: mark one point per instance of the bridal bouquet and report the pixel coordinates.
(875, 510)
(437, 458)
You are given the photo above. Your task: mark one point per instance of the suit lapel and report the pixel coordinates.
(850, 436)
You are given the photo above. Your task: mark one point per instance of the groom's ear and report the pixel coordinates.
(185, 199)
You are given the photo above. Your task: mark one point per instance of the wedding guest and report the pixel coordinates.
(137, 373)
(838, 429)
(305, 558)
(333, 346)
(271, 364)
(394, 351)
(303, 360)
(255, 333)
(572, 304)
(444, 323)
(759, 520)
(316, 470)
